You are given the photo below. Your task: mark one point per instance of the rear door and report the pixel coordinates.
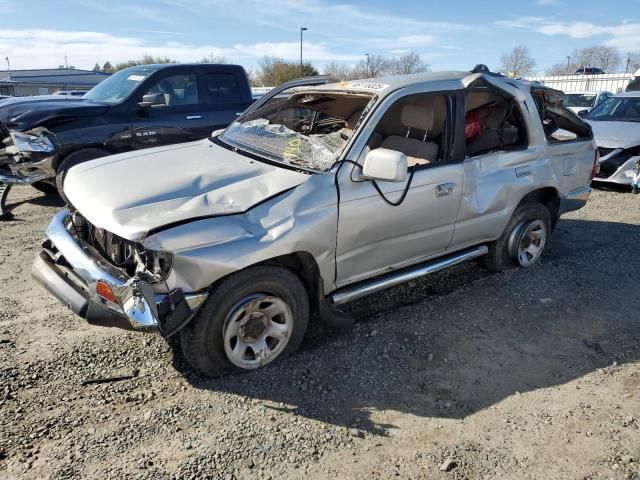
(183, 118)
(226, 96)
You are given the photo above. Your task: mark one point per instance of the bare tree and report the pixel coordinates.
(518, 62)
(211, 58)
(603, 57)
(338, 71)
(406, 64)
(632, 62)
(561, 69)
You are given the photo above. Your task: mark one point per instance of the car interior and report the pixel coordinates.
(414, 126)
(492, 122)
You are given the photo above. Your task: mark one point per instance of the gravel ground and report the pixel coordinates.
(525, 374)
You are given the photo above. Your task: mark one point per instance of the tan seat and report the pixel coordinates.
(418, 152)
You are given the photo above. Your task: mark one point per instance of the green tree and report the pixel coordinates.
(275, 71)
(96, 67)
(107, 67)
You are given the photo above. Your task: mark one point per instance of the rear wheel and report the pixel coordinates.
(73, 159)
(524, 239)
(250, 319)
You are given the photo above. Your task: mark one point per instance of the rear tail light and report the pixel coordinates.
(596, 165)
(104, 290)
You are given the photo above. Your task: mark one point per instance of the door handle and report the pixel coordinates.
(194, 117)
(445, 189)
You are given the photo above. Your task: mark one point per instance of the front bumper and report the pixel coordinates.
(623, 175)
(575, 200)
(27, 172)
(70, 270)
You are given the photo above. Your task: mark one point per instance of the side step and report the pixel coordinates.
(367, 287)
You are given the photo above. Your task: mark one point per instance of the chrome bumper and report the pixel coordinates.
(575, 200)
(71, 271)
(28, 172)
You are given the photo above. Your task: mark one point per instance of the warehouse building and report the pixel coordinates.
(20, 83)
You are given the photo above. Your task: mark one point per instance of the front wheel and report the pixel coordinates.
(250, 319)
(523, 240)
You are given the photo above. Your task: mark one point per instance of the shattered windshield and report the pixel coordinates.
(305, 130)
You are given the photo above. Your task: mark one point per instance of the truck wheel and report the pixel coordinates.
(74, 159)
(523, 241)
(249, 320)
(45, 187)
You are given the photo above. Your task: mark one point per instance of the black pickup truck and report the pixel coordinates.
(139, 107)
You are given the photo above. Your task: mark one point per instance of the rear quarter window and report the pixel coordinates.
(223, 88)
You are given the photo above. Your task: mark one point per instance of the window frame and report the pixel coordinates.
(455, 111)
(162, 75)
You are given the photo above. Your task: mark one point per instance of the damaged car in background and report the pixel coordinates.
(136, 108)
(616, 129)
(319, 194)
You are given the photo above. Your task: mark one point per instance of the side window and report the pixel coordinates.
(417, 126)
(178, 89)
(493, 122)
(559, 124)
(223, 88)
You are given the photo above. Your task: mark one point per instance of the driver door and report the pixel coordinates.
(375, 237)
(183, 118)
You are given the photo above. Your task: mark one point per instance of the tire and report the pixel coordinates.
(531, 219)
(73, 159)
(236, 310)
(45, 187)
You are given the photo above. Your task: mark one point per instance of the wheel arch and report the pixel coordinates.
(60, 158)
(547, 196)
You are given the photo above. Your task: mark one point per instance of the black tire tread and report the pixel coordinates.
(498, 258)
(201, 339)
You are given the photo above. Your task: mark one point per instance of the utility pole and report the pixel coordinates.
(302, 29)
(66, 63)
(368, 69)
(8, 66)
(626, 70)
(568, 62)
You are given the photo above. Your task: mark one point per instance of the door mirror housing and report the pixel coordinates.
(385, 165)
(583, 113)
(153, 100)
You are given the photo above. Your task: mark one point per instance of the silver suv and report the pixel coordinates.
(317, 195)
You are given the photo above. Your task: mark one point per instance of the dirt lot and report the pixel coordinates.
(526, 374)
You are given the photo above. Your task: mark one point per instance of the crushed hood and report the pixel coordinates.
(133, 193)
(615, 134)
(23, 113)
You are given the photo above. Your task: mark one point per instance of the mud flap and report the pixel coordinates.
(174, 313)
(4, 193)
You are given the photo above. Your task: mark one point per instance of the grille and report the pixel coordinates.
(116, 250)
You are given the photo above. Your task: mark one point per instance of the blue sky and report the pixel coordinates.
(448, 34)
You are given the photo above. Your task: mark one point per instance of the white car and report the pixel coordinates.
(582, 103)
(616, 129)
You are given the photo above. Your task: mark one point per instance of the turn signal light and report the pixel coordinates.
(104, 290)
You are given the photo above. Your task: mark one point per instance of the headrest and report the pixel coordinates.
(415, 116)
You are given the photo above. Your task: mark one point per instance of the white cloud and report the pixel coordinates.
(624, 36)
(36, 48)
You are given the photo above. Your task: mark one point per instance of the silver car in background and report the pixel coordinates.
(317, 195)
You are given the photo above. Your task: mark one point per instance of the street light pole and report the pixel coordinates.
(368, 69)
(302, 29)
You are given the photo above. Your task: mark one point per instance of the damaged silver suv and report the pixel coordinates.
(317, 195)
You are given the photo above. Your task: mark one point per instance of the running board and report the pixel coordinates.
(367, 287)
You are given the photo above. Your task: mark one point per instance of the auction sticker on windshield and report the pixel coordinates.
(136, 78)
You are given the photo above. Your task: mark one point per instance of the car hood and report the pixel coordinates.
(131, 194)
(24, 113)
(616, 134)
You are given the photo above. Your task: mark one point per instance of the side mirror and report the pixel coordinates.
(583, 113)
(386, 165)
(153, 100)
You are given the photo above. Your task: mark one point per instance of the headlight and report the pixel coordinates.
(27, 142)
